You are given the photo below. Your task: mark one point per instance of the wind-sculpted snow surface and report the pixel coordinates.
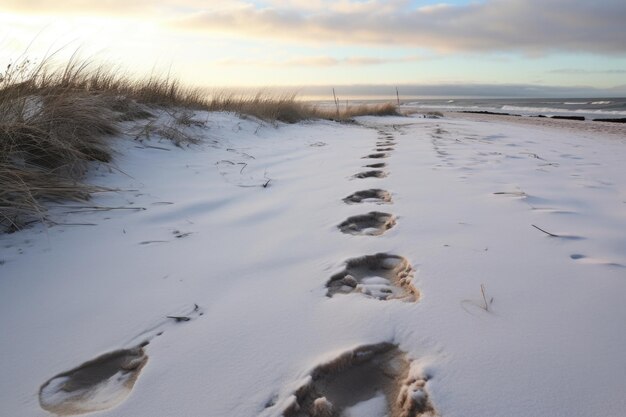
(518, 307)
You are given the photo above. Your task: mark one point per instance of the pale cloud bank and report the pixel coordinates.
(532, 27)
(463, 90)
(528, 26)
(316, 61)
(576, 71)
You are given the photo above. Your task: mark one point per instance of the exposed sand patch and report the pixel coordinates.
(373, 223)
(373, 195)
(375, 380)
(381, 276)
(96, 385)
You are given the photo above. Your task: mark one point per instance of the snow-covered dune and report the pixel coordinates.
(479, 266)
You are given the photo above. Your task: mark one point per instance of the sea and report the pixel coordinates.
(590, 108)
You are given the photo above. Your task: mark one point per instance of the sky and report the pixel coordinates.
(561, 46)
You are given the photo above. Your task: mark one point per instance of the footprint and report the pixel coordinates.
(96, 385)
(381, 276)
(375, 155)
(106, 381)
(384, 149)
(373, 223)
(371, 174)
(385, 143)
(595, 261)
(373, 195)
(376, 165)
(374, 380)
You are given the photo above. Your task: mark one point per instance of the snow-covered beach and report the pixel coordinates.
(501, 287)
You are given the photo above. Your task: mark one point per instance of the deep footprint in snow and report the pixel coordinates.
(373, 223)
(106, 381)
(384, 149)
(375, 155)
(373, 195)
(376, 165)
(376, 380)
(371, 174)
(96, 385)
(381, 276)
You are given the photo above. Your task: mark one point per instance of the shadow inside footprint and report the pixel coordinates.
(373, 380)
(373, 195)
(376, 165)
(96, 385)
(595, 261)
(384, 149)
(371, 174)
(375, 155)
(381, 276)
(373, 223)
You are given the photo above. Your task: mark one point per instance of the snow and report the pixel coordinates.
(256, 260)
(374, 407)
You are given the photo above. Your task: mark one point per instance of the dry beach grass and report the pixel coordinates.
(54, 120)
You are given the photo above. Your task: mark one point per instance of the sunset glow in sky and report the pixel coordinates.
(320, 42)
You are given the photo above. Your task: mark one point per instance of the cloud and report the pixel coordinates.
(532, 27)
(146, 9)
(528, 26)
(576, 71)
(116, 7)
(316, 61)
(463, 90)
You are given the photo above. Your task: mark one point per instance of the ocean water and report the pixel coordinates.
(590, 108)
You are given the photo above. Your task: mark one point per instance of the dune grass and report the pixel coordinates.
(55, 120)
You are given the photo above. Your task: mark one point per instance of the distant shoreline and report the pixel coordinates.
(612, 129)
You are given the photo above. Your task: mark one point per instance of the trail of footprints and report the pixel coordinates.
(374, 380)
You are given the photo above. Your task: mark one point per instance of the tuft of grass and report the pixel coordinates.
(48, 135)
(288, 109)
(385, 109)
(486, 301)
(434, 115)
(284, 108)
